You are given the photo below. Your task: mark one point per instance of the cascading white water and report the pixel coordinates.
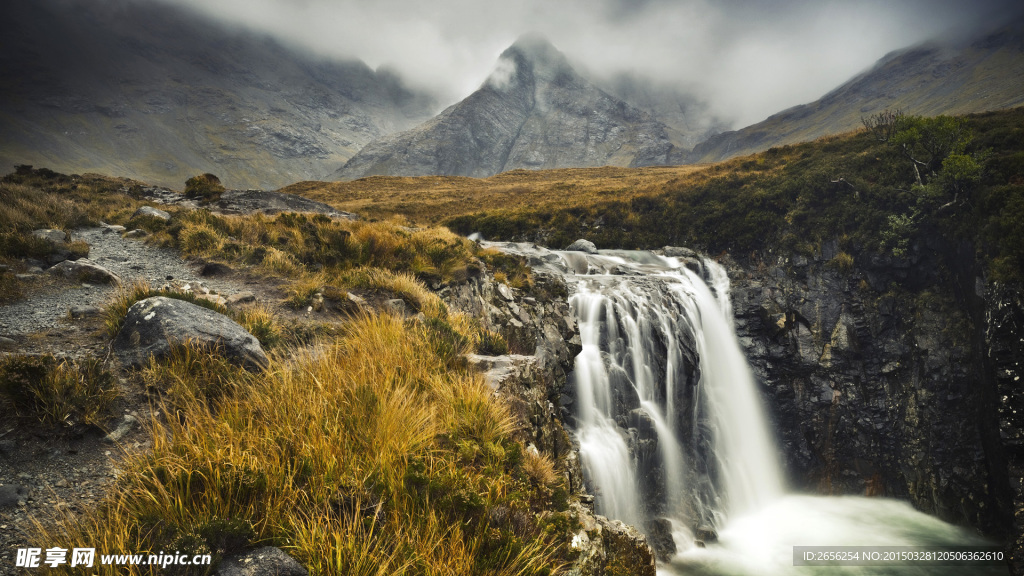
(636, 329)
(741, 441)
(661, 365)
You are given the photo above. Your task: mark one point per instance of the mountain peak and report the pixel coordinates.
(534, 53)
(534, 46)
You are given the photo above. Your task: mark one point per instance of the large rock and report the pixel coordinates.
(582, 245)
(150, 212)
(85, 270)
(266, 561)
(153, 325)
(609, 548)
(55, 237)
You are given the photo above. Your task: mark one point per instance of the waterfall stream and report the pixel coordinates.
(672, 431)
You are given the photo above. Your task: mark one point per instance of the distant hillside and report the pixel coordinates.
(534, 112)
(981, 74)
(689, 118)
(146, 90)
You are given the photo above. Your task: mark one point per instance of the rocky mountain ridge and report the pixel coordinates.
(942, 76)
(154, 92)
(535, 111)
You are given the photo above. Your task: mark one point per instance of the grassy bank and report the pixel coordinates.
(374, 454)
(849, 188)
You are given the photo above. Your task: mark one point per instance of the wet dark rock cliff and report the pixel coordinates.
(892, 377)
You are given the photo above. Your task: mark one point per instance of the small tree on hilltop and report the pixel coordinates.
(206, 187)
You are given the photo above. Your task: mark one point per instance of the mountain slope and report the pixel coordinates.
(146, 90)
(933, 78)
(534, 112)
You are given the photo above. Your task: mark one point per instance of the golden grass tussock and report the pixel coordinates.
(60, 393)
(401, 284)
(373, 455)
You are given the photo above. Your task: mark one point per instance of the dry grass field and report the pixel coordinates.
(434, 199)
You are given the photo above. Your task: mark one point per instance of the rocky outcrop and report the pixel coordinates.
(152, 326)
(544, 339)
(1004, 335)
(266, 202)
(534, 112)
(609, 548)
(873, 376)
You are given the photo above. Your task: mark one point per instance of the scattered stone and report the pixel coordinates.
(55, 237)
(12, 496)
(84, 269)
(150, 212)
(241, 298)
(357, 300)
(115, 436)
(215, 269)
(396, 306)
(153, 324)
(113, 228)
(678, 252)
(77, 312)
(266, 561)
(215, 298)
(505, 291)
(582, 245)
(24, 277)
(5, 341)
(137, 233)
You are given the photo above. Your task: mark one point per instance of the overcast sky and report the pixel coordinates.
(747, 58)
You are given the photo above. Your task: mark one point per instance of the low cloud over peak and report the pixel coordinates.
(746, 58)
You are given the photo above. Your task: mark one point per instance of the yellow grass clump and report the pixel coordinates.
(374, 455)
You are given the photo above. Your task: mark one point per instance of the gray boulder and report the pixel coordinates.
(266, 561)
(150, 212)
(679, 252)
(582, 245)
(55, 237)
(85, 270)
(153, 325)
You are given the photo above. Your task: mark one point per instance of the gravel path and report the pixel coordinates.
(42, 473)
(130, 259)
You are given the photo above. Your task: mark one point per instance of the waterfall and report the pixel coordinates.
(671, 427)
(664, 393)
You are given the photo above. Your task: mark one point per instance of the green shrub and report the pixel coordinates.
(205, 187)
